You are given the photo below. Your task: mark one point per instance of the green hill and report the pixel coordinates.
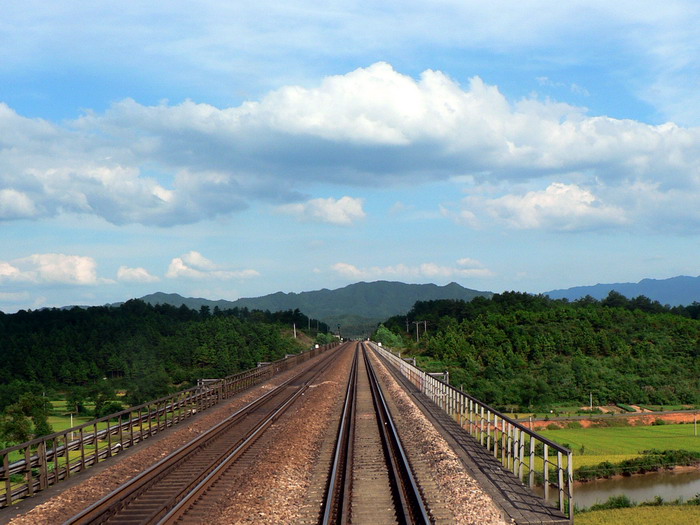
(357, 308)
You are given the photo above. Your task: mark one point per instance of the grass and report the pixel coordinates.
(662, 408)
(625, 440)
(590, 460)
(665, 515)
(59, 423)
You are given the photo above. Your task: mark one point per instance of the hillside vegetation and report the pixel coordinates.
(532, 351)
(142, 350)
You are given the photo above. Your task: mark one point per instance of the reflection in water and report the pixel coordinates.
(644, 487)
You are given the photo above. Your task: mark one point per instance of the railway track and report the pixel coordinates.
(166, 492)
(370, 479)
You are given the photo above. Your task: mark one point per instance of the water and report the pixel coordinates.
(669, 485)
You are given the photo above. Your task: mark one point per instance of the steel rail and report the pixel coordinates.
(411, 508)
(190, 495)
(118, 499)
(336, 505)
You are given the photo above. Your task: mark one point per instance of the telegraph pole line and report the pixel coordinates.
(425, 328)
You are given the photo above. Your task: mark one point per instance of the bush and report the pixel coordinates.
(110, 407)
(695, 500)
(614, 502)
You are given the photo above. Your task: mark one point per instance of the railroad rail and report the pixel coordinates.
(30, 467)
(164, 492)
(371, 480)
(534, 460)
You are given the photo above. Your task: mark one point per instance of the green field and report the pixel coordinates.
(612, 441)
(666, 515)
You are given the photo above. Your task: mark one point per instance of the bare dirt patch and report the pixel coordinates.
(640, 419)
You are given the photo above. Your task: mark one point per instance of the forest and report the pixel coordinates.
(530, 351)
(137, 350)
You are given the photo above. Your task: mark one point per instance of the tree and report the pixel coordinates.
(615, 300)
(387, 337)
(75, 400)
(15, 426)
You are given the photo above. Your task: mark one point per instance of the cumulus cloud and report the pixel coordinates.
(563, 207)
(193, 265)
(51, 268)
(175, 164)
(465, 268)
(135, 275)
(343, 211)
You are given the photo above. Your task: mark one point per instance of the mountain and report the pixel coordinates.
(357, 308)
(681, 290)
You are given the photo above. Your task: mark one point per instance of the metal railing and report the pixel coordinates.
(534, 459)
(37, 464)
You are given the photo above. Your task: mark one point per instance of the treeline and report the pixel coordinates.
(144, 350)
(517, 349)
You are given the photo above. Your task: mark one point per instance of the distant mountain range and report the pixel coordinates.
(681, 290)
(358, 307)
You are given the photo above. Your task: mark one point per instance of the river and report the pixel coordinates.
(670, 485)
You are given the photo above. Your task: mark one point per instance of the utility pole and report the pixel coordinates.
(425, 327)
(295, 330)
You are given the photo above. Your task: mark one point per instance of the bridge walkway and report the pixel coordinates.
(518, 502)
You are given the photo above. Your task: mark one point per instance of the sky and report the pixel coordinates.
(235, 149)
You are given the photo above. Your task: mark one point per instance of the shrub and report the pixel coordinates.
(110, 407)
(614, 502)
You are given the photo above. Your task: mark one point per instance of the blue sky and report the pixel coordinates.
(226, 150)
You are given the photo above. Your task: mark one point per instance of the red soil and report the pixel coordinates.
(634, 420)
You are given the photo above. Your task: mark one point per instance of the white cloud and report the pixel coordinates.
(52, 268)
(343, 211)
(465, 268)
(193, 265)
(372, 126)
(14, 296)
(135, 275)
(16, 205)
(562, 207)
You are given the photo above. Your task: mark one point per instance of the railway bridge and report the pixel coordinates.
(345, 433)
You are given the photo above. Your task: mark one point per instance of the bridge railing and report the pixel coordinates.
(534, 459)
(37, 464)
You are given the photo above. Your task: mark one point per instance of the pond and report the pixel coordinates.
(669, 485)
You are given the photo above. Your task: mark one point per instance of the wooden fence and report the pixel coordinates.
(37, 464)
(533, 458)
